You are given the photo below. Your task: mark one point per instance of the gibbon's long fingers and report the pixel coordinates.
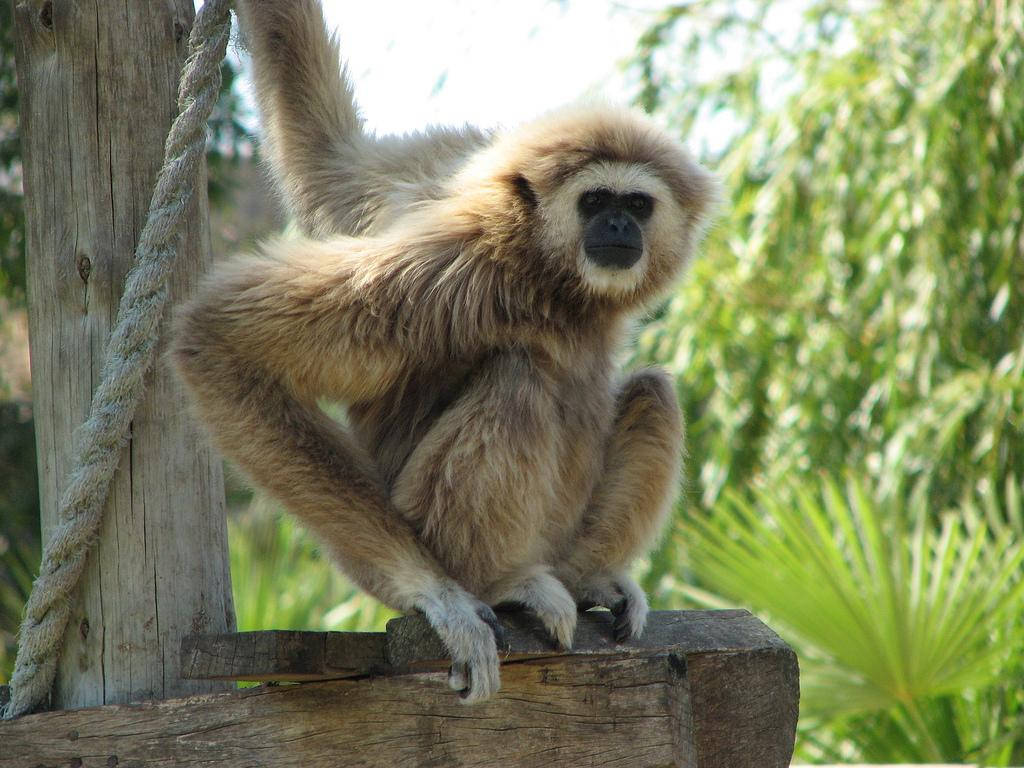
(312, 131)
(629, 507)
(459, 674)
(458, 677)
(465, 626)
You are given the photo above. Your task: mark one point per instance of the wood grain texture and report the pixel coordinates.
(707, 689)
(558, 712)
(411, 645)
(98, 82)
(282, 655)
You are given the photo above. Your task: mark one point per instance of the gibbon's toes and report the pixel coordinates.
(548, 599)
(558, 614)
(631, 615)
(624, 598)
(563, 629)
(621, 629)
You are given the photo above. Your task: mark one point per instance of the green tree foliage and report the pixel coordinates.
(12, 220)
(19, 523)
(893, 630)
(862, 300)
(230, 140)
(858, 313)
(281, 580)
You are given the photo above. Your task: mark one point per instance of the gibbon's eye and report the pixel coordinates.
(640, 205)
(592, 201)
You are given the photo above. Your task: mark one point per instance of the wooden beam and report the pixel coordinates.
(411, 645)
(282, 655)
(701, 688)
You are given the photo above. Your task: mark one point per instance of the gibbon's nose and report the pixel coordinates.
(613, 239)
(618, 223)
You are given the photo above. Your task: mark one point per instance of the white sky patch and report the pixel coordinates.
(485, 63)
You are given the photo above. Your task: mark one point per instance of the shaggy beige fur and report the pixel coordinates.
(442, 293)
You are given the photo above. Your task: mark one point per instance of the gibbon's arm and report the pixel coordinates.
(335, 179)
(311, 127)
(269, 334)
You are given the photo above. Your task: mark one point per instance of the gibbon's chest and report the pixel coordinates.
(582, 403)
(391, 425)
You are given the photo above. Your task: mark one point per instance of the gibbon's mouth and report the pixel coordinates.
(615, 256)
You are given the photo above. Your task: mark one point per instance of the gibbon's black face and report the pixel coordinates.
(613, 226)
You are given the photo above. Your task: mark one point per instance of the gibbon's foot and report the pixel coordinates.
(471, 632)
(546, 597)
(620, 595)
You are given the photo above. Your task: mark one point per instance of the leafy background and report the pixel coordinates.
(849, 352)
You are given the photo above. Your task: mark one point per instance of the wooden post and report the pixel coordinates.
(98, 82)
(700, 689)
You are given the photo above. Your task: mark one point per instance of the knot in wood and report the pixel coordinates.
(46, 15)
(84, 267)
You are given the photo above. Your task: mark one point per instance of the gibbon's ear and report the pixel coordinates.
(524, 191)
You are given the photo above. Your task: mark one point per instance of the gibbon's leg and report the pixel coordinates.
(480, 485)
(258, 345)
(631, 502)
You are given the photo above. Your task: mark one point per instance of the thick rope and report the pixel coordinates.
(105, 433)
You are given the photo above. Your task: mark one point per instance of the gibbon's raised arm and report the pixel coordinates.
(312, 131)
(335, 179)
(269, 334)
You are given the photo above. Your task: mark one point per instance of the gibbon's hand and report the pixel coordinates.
(621, 595)
(471, 632)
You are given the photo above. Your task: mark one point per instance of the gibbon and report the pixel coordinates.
(465, 294)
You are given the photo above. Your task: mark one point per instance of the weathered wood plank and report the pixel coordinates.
(739, 699)
(282, 655)
(98, 82)
(574, 712)
(410, 644)
(709, 689)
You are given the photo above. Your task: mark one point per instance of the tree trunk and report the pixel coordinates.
(98, 82)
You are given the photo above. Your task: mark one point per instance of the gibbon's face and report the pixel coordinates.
(624, 226)
(609, 203)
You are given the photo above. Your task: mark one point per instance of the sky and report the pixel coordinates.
(489, 63)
